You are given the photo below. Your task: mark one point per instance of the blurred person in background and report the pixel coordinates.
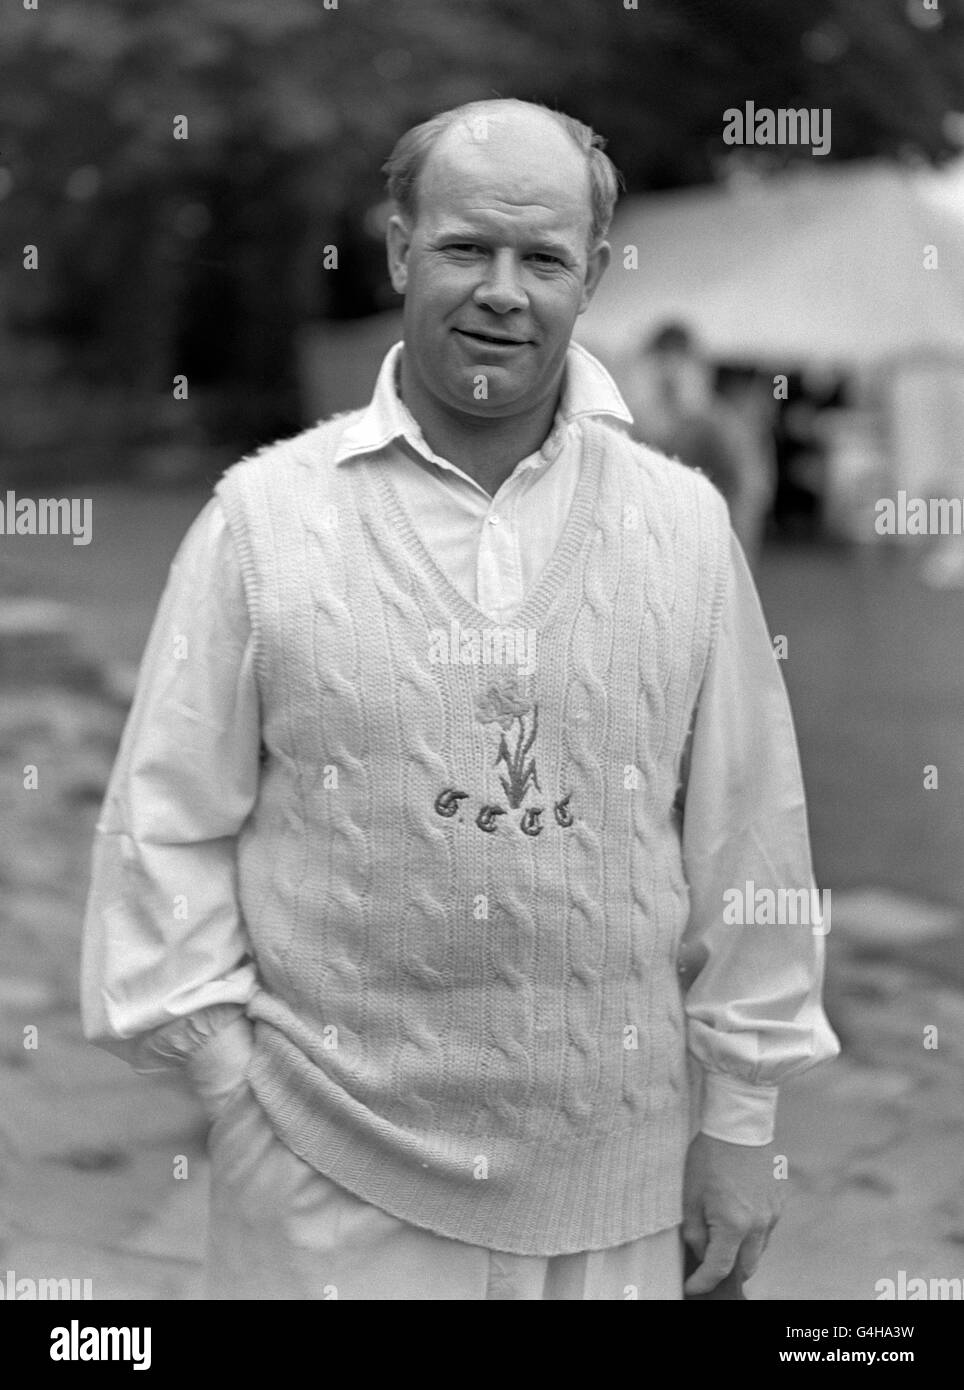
(440, 939)
(805, 428)
(678, 412)
(749, 395)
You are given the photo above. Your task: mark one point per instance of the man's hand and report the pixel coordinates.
(730, 1206)
(218, 1067)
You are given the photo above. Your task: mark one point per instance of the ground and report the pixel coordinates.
(89, 1150)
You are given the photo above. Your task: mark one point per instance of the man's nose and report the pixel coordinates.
(501, 290)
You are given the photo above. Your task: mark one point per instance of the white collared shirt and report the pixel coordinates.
(163, 990)
(492, 548)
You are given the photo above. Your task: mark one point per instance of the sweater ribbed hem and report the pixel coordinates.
(590, 1193)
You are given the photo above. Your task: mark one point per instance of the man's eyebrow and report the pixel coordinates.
(557, 248)
(459, 233)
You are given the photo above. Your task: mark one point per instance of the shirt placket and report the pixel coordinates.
(499, 577)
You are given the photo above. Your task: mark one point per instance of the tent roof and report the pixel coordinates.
(824, 264)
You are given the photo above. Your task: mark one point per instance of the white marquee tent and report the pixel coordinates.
(850, 267)
(824, 266)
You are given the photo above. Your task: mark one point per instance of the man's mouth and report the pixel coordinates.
(491, 339)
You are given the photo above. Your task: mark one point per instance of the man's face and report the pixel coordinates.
(497, 266)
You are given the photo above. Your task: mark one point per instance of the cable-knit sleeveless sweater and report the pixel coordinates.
(463, 882)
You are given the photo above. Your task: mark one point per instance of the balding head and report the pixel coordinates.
(505, 125)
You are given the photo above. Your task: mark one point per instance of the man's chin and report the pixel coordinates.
(490, 390)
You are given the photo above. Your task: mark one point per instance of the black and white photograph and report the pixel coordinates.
(482, 660)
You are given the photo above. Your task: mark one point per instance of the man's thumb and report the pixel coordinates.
(718, 1259)
(695, 1233)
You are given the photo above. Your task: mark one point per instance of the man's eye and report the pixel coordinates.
(545, 258)
(466, 247)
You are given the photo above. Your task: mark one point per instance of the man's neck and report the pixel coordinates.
(487, 448)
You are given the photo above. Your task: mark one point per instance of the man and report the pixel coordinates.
(457, 713)
(686, 419)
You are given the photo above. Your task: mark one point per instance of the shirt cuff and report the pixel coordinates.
(220, 1064)
(213, 1045)
(736, 1111)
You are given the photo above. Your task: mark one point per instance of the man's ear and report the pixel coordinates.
(599, 258)
(398, 239)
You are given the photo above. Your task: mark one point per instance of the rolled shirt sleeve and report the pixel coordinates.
(754, 1012)
(166, 966)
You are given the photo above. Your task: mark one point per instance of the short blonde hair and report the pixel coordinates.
(406, 161)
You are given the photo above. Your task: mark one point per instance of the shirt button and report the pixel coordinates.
(494, 520)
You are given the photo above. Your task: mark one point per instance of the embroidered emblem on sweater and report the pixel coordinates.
(447, 802)
(486, 819)
(501, 703)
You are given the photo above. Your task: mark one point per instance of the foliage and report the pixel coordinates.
(202, 255)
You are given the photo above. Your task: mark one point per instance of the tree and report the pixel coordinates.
(211, 248)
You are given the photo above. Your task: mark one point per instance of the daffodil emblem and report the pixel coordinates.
(500, 703)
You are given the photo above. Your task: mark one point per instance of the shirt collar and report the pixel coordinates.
(588, 390)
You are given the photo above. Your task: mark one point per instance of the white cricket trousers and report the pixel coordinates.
(280, 1230)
